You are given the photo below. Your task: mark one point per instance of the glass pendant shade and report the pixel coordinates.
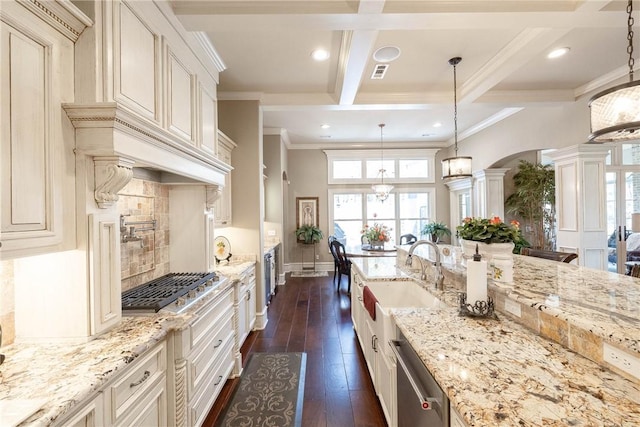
(381, 190)
(456, 167)
(615, 113)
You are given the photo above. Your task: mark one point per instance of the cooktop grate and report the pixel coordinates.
(160, 292)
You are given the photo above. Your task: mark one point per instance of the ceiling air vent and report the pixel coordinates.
(379, 71)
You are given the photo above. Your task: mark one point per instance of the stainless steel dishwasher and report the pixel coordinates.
(421, 401)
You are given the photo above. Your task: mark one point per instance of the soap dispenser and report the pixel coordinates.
(476, 279)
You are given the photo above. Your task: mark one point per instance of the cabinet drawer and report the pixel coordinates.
(210, 315)
(137, 379)
(203, 398)
(202, 361)
(151, 410)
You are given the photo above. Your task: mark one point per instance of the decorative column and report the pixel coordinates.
(488, 193)
(581, 203)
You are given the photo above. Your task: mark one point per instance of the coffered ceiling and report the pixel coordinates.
(266, 47)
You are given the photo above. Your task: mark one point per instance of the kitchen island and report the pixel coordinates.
(501, 372)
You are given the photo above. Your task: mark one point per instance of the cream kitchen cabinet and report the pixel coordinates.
(135, 397)
(381, 367)
(89, 415)
(245, 312)
(222, 207)
(201, 358)
(37, 213)
(138, 396)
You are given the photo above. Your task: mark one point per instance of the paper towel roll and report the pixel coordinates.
(476, 281)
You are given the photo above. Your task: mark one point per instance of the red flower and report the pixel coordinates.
(495, 220)
(515, 223)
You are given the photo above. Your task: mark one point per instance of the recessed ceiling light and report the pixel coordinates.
(320, 55)
(437, 124)
(325, 126)
(557, 53)
(386, 54)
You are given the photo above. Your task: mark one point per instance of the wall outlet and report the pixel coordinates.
(271, 232)
(621, 360)
(512, 307)
(317, 257)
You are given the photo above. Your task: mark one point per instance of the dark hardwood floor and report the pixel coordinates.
(307, 314)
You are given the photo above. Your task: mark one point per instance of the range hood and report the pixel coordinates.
(118, 140)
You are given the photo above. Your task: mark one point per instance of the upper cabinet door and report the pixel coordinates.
(180, 96)
(36, 148)
(208, 121)
(136, 62)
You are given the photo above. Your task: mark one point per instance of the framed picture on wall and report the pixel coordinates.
(307, 211)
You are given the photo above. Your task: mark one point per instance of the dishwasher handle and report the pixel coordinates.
(426, 403)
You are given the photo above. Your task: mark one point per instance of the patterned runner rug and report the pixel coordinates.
(270, 392)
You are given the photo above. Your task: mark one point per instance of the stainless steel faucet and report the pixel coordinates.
(439, 276)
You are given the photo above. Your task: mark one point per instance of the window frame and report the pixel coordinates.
(372, 154)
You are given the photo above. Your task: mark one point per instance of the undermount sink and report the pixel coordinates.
(401, 294)
(397, 294)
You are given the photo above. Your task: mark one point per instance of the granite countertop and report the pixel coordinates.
(270, 245)
(234, 269)
(70, 374)
(499, 372)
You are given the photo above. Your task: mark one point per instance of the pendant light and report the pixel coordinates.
(615, 112)
(456, 167)
(382, 190)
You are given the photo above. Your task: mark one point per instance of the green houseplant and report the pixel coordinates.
(309, 234)
(534, 201)
(436, 230)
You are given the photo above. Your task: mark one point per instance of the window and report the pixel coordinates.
(406, 166)
(405, 211)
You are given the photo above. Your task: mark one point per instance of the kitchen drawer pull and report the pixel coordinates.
(248, 295)
(359, 298)
(218, 344)
(145, 377)
(219, 379)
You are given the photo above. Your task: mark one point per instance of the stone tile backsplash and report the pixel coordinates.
(147, 259)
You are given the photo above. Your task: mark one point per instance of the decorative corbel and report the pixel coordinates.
(213, 194)
(111, 175)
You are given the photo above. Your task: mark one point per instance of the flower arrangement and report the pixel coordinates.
(489, 230)
(377, 232)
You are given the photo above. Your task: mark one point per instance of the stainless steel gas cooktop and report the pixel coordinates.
(172, 292)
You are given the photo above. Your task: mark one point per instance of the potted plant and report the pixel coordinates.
(309, 234)
(534, 202)
(436, 230)
(490, 235)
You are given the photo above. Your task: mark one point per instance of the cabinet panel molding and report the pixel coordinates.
(104, 272)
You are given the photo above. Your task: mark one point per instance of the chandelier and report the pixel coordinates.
(456, 167)
(615, 112)
(382, 190)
